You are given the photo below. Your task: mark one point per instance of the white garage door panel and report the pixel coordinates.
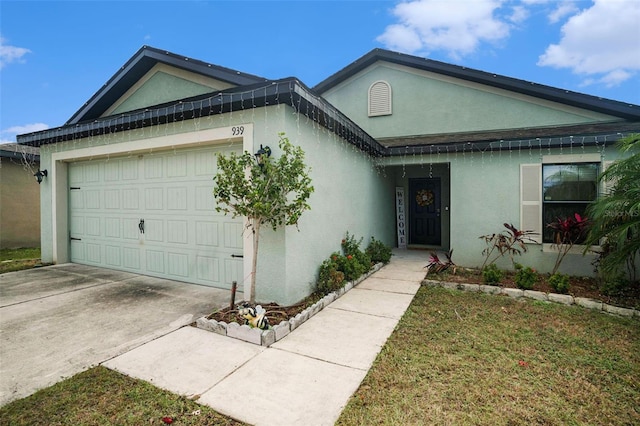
(184, 237)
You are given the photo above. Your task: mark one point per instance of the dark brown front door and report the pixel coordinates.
(424, 211)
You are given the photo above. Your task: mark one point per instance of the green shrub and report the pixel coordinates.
(491, 275)
(559, 283)
(615, 286)
(329, 277)
(378, 251)
(525, 277)
(355, 262)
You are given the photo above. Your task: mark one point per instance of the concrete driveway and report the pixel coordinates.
(57, 321)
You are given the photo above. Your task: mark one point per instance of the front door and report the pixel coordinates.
(424, 213)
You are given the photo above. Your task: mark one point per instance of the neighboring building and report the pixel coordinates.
(19, 197)
(129, 184)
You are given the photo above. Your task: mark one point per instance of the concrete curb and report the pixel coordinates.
(516, 293)
(277, 332)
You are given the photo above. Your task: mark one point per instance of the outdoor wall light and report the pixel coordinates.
(40, 174)
(262, 155)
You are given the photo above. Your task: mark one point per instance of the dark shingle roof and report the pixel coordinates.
(623, 110)
(139, 64)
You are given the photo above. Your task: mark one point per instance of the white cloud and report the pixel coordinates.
(563, 9)
(520, 14)
(601, 42)
(457, 27)
(27, 128)
(9, 54)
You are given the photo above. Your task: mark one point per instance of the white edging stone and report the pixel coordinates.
(277, 332)
(537, 295)
(516, 293)
(588, 303)
(624, 312)
(490, 289)
(565, 299)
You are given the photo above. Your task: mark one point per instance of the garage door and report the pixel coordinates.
(154, 214)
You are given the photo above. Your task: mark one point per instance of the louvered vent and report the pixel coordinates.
(379, 99)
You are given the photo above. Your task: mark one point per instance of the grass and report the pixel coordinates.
(455, 358)
(18, 259)
(460, 358)
(100, 396)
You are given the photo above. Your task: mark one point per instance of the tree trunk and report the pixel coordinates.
(254, 263)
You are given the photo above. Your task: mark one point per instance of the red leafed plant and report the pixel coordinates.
(438, 265)
(511, 242)
(566, 233)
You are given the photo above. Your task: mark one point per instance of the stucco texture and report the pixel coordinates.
(19, 206)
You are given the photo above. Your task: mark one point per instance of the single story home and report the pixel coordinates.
(414, 152)
(19, 197)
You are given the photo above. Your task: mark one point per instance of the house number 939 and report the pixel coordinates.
(237, 130)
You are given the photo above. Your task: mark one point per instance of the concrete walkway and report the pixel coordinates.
(305, 378)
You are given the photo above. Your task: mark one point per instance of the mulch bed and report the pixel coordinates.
(578, 286)
(275, 313)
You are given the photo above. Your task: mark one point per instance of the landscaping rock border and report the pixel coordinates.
(277, 332)
(517, 293)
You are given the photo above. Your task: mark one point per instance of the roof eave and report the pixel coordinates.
(138, 65)
(287, 91)
(619, 109)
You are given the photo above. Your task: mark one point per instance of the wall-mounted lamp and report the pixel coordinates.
(262, 155)
(40, 174)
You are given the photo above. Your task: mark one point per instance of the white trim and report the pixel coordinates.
(202, 138)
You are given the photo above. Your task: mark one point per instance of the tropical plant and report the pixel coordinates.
(273, 192)
(438, 265)
(511, 242)
(567, 232)
(615, 217)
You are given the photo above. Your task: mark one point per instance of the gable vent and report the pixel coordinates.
(379, 99)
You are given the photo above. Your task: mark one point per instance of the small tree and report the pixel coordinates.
(273, 192)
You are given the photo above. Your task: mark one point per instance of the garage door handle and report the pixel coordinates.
(237, 255)
(141, 226)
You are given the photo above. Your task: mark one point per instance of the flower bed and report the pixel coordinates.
(278, 331)
(516, 293)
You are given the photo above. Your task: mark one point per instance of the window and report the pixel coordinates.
(566, 189)
(559, 187)
(379, 99)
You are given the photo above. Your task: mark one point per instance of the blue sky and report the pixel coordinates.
(54, 55)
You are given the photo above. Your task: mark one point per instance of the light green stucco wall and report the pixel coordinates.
(425, 104)
(350, 195)
(484, 194)
(160, 88)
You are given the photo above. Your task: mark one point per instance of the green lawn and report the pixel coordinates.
(18, 259)
(473, 359)
(455, 358)
(100, 396)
